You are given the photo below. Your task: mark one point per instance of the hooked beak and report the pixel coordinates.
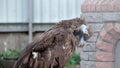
(84, 29)
(85, 32)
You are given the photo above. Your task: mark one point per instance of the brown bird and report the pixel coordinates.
(54, 47)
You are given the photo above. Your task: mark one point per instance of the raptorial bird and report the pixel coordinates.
(55, 46)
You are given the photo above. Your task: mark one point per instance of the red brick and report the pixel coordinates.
(93, 8)
(111, 5)
(104, 56)
(85, 6)
(109, 26)
(109, 38)
(101, 5)
(102, 32)
(117, 5)
(108, 4)
(104, 46)
(111, 30)
(104, 65)
(104, 5)
(117, 27)
(106, 37)
(98, 5)
(89, 6)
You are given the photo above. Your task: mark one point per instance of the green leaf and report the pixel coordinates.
(75, 59)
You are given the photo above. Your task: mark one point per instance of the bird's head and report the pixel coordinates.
(79, 27)
(83, 32)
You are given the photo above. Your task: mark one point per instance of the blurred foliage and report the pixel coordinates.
(9, 54)
(75, 59)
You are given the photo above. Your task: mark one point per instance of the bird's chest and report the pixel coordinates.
(64, 51)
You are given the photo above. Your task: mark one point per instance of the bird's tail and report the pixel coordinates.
(22, 62)
(24, 58)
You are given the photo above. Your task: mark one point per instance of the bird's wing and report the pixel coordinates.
(48, 39)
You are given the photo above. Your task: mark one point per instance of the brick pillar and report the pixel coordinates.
(104, 17)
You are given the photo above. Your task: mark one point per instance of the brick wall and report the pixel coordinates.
(104, 17)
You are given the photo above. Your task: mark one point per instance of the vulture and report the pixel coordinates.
(54, 47)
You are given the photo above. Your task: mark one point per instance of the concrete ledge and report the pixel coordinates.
(102, 16)
(87, 64)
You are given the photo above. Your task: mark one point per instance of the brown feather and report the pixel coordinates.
(54, 47)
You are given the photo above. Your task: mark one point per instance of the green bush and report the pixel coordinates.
(10, 55)
(75, 59)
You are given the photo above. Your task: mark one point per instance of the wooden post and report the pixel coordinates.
(30, 14)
